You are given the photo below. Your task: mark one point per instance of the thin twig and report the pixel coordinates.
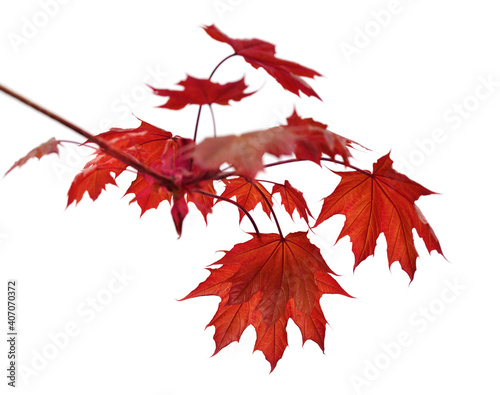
(213, 119)
(199, 109)
(270, 208)
(245, 211)
(108, 149)
(283, 162)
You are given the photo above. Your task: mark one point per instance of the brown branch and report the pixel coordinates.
(108, 149)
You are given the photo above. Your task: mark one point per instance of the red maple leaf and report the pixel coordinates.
(261, 53)
(189, 179)
(203, 203)
(248, 194)
(305, 138)
(243, 152)
(381, 202)
(148, 192)
(94, 178)
(264, 282)
(315, 140)
(161, 152)
(146, 143)
(49, 147)
(292, 199)
(202, 91)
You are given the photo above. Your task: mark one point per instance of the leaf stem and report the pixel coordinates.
(197, 123)
(283, 162)
(199, 109)
(225, 174)
(220, 63)
(213, 119)
(270, 207)
(270, 182)
(79, 144)
(245, 211)
(108, 149)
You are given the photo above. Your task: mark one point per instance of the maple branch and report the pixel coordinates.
(243, 209)
(108, 149)
(201, 105)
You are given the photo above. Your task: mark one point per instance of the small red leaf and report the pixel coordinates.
(260, 53)
(49, 147)
(148, 193)
(305, 138)
(243, 152)
(144, 136)
(202, 91)
(247, 194)
(314, 140)
(146, 143)
(203, 203)
(92, 180)
(292, 199)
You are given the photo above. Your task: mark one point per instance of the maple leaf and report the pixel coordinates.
(381, 202)
(261, 53)
(148, 192)
(264, 282)
(49, 147)
(243, 152)
(202, 91)
(305, 138)
(173, 163)
(314, 140)
(292, 199)
(190, 180)
(203, 203)
(247, 194)
(93, 180)
(162, 153)
(145, 143)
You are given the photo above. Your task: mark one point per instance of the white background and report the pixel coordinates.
(389, 95)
